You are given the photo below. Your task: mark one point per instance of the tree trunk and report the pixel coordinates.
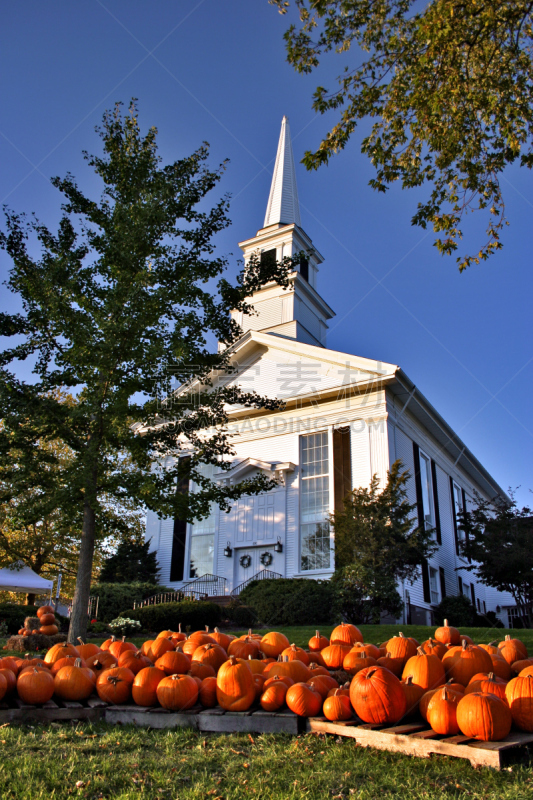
(79, 616)
(30, 599)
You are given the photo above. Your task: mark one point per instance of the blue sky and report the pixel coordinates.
(217, 72)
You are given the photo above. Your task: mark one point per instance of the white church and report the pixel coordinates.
(345, 418)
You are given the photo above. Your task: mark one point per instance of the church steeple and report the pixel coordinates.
(282, 206)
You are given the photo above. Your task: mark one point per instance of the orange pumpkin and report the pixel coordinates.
(426, 697)
(303, 700)
(337, 707)
(462, 663)
(107, 643)
(101, 661)
(133, 660)
(518, 666)
(442, 711)
(519, 694)
(145, 647)
(447, 635)
(484, 717)
(201, 671)
(283, 678)
(177, 692)
(377, 696)
(242, 648)
(11, 663)
(322, 684)
(87, 650)
(273, 697)
(413, 695)
(512, 649)
(294, 653)
(317, 669)
(116, 648)
(354, 661)
(47, 619)
(318, 642)
(161, 646)
(74, 682)
(60, 651)
(144, 687)
(10, 679)
(256, 665)
(500, 667)
(273, 644)
(173, 663)
(223, 639)
(68, 661)
(235, 685)
(293, 669)
(425, 670)
(212, 654)
(401, 647)
(526, 672)
(346, 634)
(42, 610)
(208, 692)
(259, 682)
(36, 686)
(114, 685)
(3, 686)
(487, 684)
(334, 655)
(433, 648)
(394, 665)
(371, 650)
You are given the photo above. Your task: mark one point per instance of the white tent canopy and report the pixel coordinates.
(23, 579)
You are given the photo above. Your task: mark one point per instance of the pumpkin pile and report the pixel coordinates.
(45, 623)
(453, 684)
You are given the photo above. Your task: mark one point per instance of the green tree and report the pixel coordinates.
(363, 596)
(499, 538)
(131, 562)
(377, 531)
(448, 85)
(115, 306)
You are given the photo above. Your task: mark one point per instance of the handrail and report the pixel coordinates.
(207, 584)
(262, 575)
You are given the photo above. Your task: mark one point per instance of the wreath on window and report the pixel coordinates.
(245, 561)
(266, 559)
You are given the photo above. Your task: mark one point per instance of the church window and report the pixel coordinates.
(304, 268)
(268, 257)
(202, 547)
(434, 586)
(427, 490)
(315, 545)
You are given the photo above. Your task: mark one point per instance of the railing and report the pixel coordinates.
(263, 575)
(208, 584)
(164, 597)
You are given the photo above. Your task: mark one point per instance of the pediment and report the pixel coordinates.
(275, 469)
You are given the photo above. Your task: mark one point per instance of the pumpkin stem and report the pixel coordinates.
(249, 632)
(444, 694)
(401, 635)
(80, 640)
(464, 644)
(114, 679)
(77, 662)
(491, 676)
(507, 637)
(446, 623)
(409, 680)
(317, 634)
(232, 660)
(420, 651)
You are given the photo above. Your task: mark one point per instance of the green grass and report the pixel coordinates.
(124, 763)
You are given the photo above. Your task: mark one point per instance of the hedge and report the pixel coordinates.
(167, 616)
(114, 596)
(289, 601)
(15, 614)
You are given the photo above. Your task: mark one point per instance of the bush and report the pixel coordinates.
(457, 609)
(14, 615)
(167, 616)
(112, 597)
(241, 616)
(125, 626)
(289, 601)
(362, 597)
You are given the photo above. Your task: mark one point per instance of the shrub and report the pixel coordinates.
(289, 601)
(167, 616)
(457, 609)
(362, 596)
(241, 616)
(115, 596)
(124, 626)
(14, 615)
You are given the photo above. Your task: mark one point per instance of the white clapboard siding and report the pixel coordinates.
(292, 544)
(360, 454)
(379, 451)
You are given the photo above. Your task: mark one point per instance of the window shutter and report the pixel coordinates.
(473, 594)
(460, 581)
(421, 521)
(454, 516)
(465, 509)
(436, 501)
(342, 466)
(442, 576)
(179, 538)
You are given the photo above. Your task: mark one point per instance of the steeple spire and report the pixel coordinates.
(283, 207)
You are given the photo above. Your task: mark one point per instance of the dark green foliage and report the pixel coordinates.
(457, 609)
(168, 616)
(286, 601)
(115, 596)
(362, 596)
(131, 562)
(241, 616)
(14, 615)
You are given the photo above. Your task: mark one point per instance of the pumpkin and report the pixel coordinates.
(114, 685)
(108, 642)
(48, 630)
(519, 694)
(294, 669)
(173, 663)
(47, 619)
(133, 660)
(318, 642)
(346, 634)
(337, 707)
(500, 667)
(35, 686)
(484, 717)
(344, 689)
(426, 697)
(273, 697)
(60, 651)
(317, 669)
(235, 685)
(212, 654)
(303, 700)
(42, 610)
(433, 648)
(145, 647)
(447, 635)
(223, 639)
(354, 661)
(144, 687)
(394, 665)
(512, 649)
(401, 647)
(208, 692)
(165, 635)
(251, 635)
(334, 655)
(3, 686)
(177, 692)
(518, 666)
(323, 684)
(87, 650)
(462, 663)
(116, 648)
(426, 670)
(242, 648)
(377, 696)
(68, 661)
(101, 661)
(37, 662)
(442, 711)
(10, 678)
(526, 672)
(161, 646)
(315, 657)
(178, 636)
(294, 653)
(491, 647)
(370, 649)
(259, 682)
(487, 684)
(201, 671)
(413, 694)
(30, 669)
(273, 644)
(11, 663)
(74, 682)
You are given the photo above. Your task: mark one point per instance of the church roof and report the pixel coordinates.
(283, 207)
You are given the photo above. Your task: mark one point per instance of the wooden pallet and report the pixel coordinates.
(416, 739)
